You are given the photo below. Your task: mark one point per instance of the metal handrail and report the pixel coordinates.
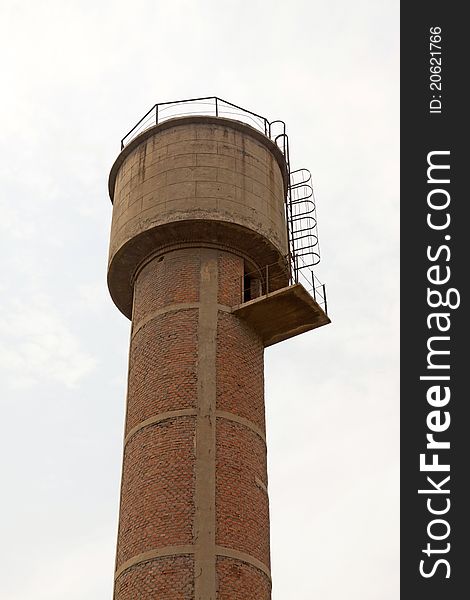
(217, 107)
(270, 282)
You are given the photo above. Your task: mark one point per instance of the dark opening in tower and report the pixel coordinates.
(252, 285)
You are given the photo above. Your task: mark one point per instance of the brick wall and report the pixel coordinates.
(157, 553)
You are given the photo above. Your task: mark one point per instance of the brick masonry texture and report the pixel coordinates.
(231, 270)
(163, 354)
(239, 581)
(241, 502)
(157, 506)
(158, 501)
(162, 367)
(177, 274)
(161, 579)
(240, 370)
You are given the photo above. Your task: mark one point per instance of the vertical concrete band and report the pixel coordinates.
(205, 520)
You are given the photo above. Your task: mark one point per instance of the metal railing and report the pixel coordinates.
(210, 105)
(216, 107)
(270, 278)
(315, 288)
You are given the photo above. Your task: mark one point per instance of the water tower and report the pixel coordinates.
(213, 239)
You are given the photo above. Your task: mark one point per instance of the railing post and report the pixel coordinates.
(296, 268)
(216, 107)
(313, 285)
(324, 297)
(156, 114)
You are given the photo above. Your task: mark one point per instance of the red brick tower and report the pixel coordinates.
(201, 260)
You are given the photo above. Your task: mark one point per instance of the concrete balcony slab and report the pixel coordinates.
(282, 314)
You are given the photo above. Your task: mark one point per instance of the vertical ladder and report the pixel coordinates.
(302, 222)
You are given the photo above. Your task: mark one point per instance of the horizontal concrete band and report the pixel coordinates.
(223, 414)
(152, 555)
(171, 414)
(192, 412)
(168, 551)
(261, 485)
(243, 557)
(172, 247)
(169, 309)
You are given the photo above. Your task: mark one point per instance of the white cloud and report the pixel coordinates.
(94, 296)
(74, 573)
(36, 345)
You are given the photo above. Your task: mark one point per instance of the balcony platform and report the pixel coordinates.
(282, 314)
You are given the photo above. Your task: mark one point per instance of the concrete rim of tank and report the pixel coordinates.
(130, 257)
(237, 125)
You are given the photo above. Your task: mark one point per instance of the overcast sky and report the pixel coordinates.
(77, 75)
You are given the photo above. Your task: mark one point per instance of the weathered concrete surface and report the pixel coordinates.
(195, 179)
(205, 584)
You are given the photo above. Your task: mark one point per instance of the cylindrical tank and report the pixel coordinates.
(198, 203)
(196, 180)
